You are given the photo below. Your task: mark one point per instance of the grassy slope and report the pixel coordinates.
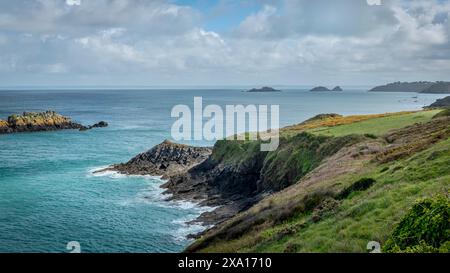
(363, 216)
(376, 126)
(369, 215)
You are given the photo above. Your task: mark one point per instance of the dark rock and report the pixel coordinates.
(320, 89)
(100, 124)
(337, 89)
(166, 159)
(264, 89)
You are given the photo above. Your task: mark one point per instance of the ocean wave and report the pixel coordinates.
(187, 228)
(154, 195)
(103, 171)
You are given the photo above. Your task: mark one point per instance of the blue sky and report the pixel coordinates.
(223, 15)
(222, 42)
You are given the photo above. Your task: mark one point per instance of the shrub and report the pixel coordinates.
(360, 185)
(444, 113)
(425, 228)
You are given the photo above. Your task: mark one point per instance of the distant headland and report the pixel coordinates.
(325, 89)
(440, 103)
(45, 121)
(439, 87)
(263, 89)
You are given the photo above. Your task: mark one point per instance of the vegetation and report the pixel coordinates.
(48, 118)
(341, 204)
(425, 228)
(444, 113)
(377, 125)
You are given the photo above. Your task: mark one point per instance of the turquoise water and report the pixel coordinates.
(49, 196)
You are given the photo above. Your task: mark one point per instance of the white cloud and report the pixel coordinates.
(73, 2)
(300, 41)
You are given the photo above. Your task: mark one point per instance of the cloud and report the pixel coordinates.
(73, 2)
(289, 41)
(76, 17)
(319, 17)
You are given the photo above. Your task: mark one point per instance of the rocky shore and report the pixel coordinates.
(233, 176)
(45, 121)
(166, 159)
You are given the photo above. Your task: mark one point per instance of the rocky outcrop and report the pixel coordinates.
(264, 89)
(320, 89)
(33, 122)
(166, 159)
(440, 103)
(45, 121)
(418, 87)
(101, 124)
(325, 89)
(234, 174)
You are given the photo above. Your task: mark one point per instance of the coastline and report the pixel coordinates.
(189, 226)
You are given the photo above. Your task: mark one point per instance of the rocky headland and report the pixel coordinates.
(166, 159)
(255, 190)
(439, 87)
(45, 121)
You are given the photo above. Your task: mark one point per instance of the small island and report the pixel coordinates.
(45, 121)
(325, 89)
(263, 89)
(425, 87)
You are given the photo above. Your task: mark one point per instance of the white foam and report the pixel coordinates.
(186, 229)
(154, 195)
(103, 171)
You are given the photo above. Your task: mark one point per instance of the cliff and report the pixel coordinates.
(45, 121)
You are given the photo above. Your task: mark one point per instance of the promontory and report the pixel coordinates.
(439, 87)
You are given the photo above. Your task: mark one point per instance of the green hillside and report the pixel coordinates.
(366, 189)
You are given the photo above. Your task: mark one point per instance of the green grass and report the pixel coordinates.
(367, 212)
(372, 214)
(376, 126)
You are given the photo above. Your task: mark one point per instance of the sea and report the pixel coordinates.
(50, 197)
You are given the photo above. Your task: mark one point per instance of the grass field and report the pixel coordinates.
(376, 126)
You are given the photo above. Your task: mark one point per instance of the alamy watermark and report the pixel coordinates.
(236, 122)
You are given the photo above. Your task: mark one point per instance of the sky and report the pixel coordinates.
(223, 42)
